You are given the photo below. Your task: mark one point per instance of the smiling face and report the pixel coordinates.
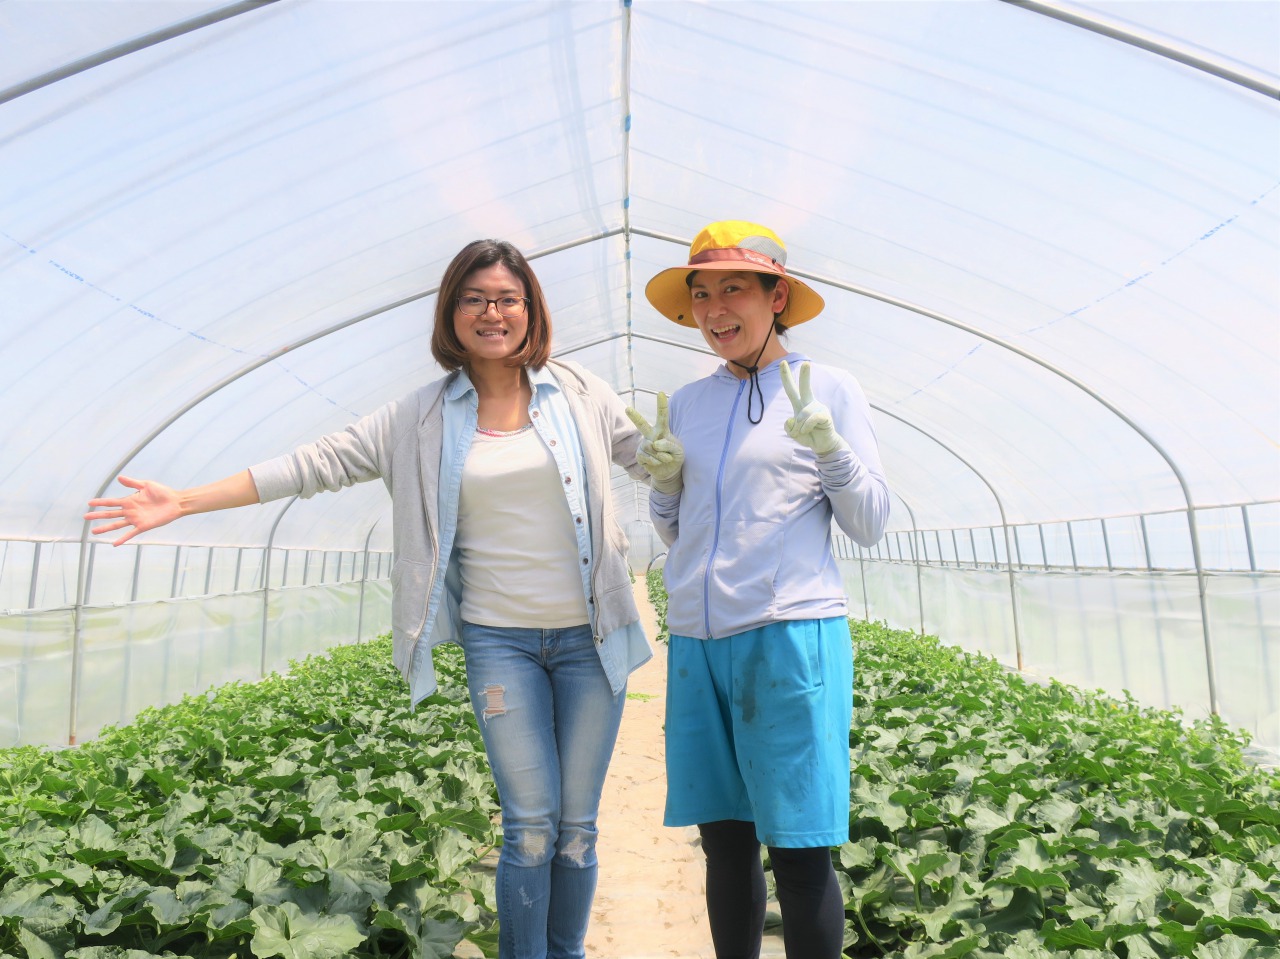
(491, 337)
(735, 314)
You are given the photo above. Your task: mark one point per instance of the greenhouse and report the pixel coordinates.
(1047, 235)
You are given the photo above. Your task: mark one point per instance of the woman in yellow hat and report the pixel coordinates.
(749, 466)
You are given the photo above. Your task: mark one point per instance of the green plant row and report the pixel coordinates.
(658, 599)
(304, 816)
(995, 817)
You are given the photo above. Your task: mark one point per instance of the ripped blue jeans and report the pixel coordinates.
(550, 720)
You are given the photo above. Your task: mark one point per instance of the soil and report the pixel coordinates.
(650, 898)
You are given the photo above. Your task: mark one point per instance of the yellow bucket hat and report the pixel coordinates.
(731, 245)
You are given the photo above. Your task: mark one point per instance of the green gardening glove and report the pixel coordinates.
(660, 453)
(811, 425)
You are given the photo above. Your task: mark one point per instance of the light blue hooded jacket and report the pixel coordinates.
(750, 533)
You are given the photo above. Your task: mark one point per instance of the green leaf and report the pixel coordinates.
(927, 858)
(93, 841)
(951, 919)
(470, 820)
(1142, 946)
(47, 936)
(486, 940)
(283, 774)
(1263, 928)
(1075, 936)
(229, 920)
(858, 855)
(1232, 947)
(873, 802)
(950, 950)
(438, 938)
(1137, 892)
(1023, 911)
(398, 822)
(284, 930)
(1035, 880)
(451, 852)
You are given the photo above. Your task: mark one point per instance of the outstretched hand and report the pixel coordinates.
(154, 504)
(660, 453)
(811, 425)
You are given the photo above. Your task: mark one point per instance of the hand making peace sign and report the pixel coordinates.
(811, 425)
(660, 453)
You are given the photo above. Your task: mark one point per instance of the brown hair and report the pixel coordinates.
(478, 255)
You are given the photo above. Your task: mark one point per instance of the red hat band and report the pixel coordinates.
(739, 255)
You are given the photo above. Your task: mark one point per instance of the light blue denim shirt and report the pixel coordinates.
(552, 419)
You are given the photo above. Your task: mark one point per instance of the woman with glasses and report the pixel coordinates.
(506, 542)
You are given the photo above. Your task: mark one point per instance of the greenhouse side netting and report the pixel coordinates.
(1047, 234)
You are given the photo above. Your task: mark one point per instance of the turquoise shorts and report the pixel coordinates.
(758, 730)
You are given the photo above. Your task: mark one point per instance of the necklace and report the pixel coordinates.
(488, 432)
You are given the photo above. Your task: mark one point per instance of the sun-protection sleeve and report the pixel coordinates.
(664, 511)
(851, 474)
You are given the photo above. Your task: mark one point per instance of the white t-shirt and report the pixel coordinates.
(516, 544)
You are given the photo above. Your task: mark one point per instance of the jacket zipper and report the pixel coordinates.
(715, 537)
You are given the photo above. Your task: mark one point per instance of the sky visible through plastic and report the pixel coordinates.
(1048, 236)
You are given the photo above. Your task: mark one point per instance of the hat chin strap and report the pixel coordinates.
(753, 374)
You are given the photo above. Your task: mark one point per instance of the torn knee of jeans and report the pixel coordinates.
(495, 701)
(575, 851)
(533, 845)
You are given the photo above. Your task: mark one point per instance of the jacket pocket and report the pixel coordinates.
(410, 582)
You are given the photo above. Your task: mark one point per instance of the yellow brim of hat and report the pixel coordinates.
(670, 296)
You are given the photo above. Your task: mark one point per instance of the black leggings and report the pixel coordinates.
(808, 894)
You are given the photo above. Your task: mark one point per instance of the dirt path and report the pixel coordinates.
(650, 898)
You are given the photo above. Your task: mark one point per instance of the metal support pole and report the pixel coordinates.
(1202, 582)
(1146, 540)
(1071, 539)
(137, 573)
(266, 585)
(35, 572)
(364, 577)
(919, 579)
(177, 566)
(84, 575)
(1248, 539)
(866, 604)
(88, 579)
(208, 573)
(1106, 543)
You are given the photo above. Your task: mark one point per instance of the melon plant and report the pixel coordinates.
(991, 817)
(308, 815)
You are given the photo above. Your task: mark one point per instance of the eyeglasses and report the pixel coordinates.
(471, 305)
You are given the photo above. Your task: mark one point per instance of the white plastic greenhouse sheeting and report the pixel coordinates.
(1048, 237)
